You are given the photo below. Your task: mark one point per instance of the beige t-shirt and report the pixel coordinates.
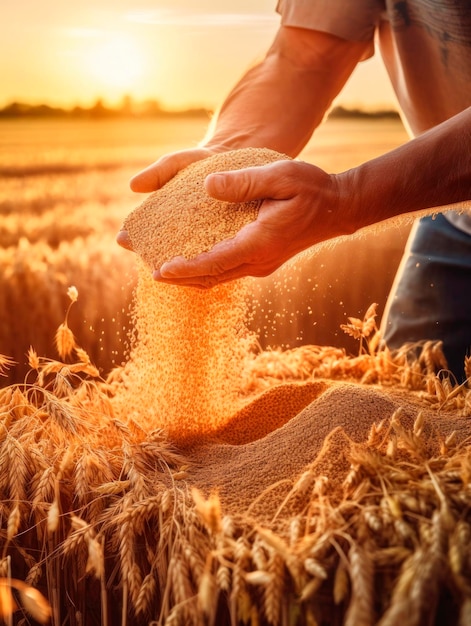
(425, 45)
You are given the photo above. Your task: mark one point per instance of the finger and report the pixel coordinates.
(204, 282)
(251, 183)
(224, 257)
(157, 174)
(124, 240)
(199, 282)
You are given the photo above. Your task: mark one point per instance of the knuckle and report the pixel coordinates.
(245, 185)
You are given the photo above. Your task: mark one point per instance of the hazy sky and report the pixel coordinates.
(180, 52)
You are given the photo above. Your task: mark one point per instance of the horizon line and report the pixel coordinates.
(150, 106)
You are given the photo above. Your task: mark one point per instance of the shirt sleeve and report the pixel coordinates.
(353, 20)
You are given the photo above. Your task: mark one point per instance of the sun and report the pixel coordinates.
(116, 61)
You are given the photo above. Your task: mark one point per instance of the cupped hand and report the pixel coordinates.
(300, 207)
(161, 171)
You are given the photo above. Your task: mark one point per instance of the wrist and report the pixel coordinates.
(348, 213)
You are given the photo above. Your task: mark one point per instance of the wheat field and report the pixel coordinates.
(336, 494)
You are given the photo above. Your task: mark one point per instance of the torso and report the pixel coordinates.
(426, 47)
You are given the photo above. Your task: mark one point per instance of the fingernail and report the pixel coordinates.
(124, 240)
(162, 272)
(217, 183)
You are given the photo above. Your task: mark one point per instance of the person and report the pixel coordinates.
(278, 104)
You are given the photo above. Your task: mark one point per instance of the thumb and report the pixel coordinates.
(252, 183)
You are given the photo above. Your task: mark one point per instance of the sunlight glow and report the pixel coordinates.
(115, 60)
(174, 17)
(181, 53)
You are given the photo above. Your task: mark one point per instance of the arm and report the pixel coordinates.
(277, 104)
(430, 171)
(304, 206)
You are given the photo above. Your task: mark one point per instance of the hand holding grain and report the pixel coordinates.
(238, 213)
(298, 209)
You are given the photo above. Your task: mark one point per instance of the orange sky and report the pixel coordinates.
(180, 52)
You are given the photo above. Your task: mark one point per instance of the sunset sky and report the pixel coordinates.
(180, 52)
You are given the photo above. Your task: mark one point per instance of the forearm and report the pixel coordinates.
(279, 103)
(429, 171)
(276, 105)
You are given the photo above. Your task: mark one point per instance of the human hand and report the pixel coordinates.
(161, 171)
(299, 208)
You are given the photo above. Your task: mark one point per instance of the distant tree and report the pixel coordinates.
(99, 109)
(127, 105)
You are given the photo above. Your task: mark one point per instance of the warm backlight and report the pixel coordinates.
(116, 61)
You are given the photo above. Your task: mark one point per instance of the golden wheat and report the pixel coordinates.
(33, 297)
(117, 502)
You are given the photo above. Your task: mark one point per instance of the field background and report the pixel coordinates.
(64, 193)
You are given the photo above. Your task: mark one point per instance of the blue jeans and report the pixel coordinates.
(431, 296)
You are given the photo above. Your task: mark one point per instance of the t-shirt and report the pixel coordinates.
(425, 45)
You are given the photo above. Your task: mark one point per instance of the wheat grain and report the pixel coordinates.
(360, 611)
(209, 510)
(392, 446)
(18, 468)
(313, 567)
(130, 572)
(33, 359)
(147, 594)
(258, 577)
(223, 577)
(259, 554)
(207, 592)
(13, 523)
(273, 593)
(340, 586)
(295, 530)
(372, 520)
(95, 561)
(182, 589)
(64, 340)
(53, 517)
(228, 526)
(238, 595)
(310, 589)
